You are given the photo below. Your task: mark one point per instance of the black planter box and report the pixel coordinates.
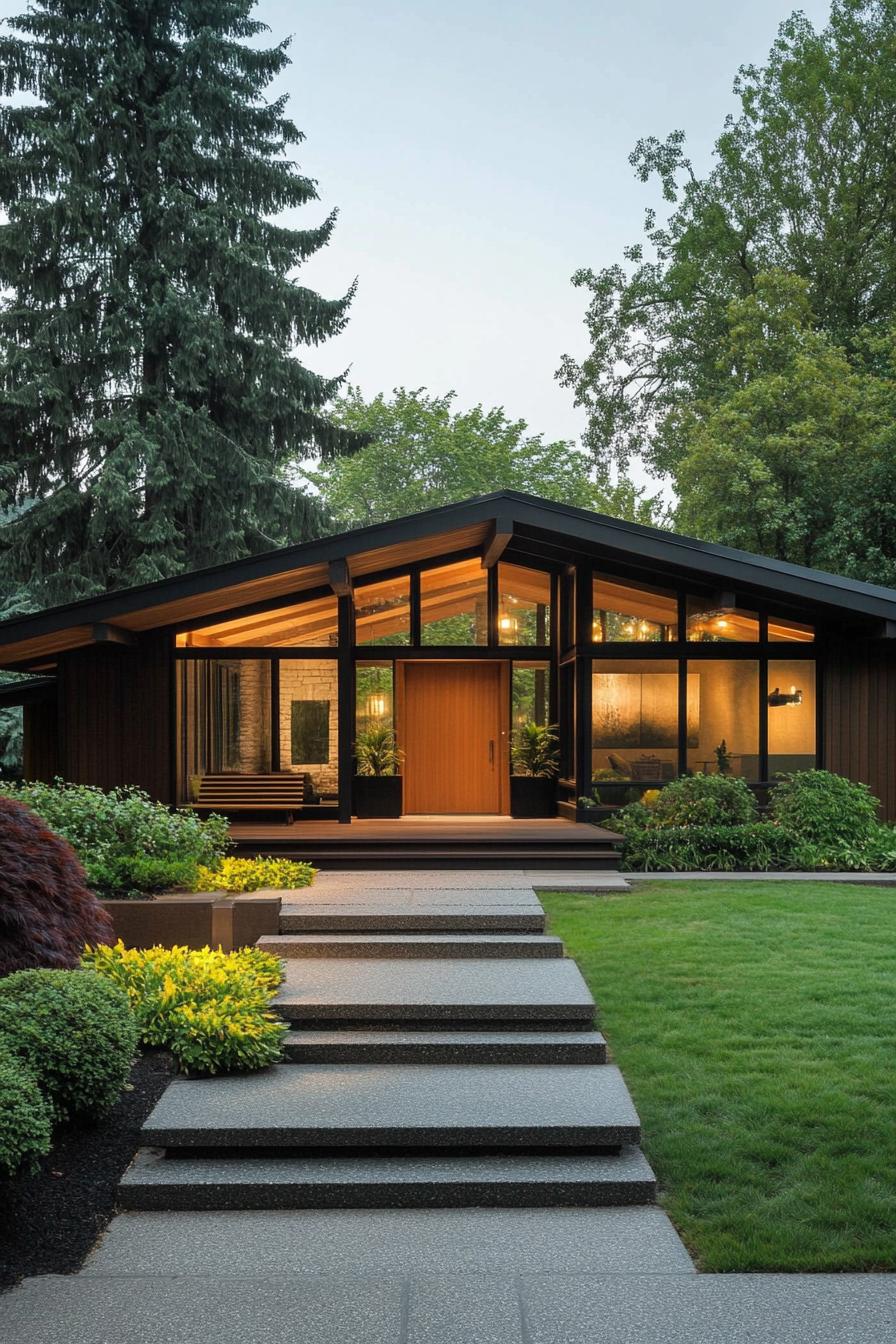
(377, 795)
(532, 796)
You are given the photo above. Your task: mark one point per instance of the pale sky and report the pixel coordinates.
(478, 154)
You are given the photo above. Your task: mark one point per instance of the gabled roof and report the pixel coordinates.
(539, 527)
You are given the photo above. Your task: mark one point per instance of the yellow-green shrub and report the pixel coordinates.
(211, 1009)
(254, 874)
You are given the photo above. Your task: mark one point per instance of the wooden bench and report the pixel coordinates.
(283, 792)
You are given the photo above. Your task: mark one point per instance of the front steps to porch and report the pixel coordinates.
(426, 1069)
(482, 842)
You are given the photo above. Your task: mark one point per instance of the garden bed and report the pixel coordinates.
(50, 1220)
(753, 1024)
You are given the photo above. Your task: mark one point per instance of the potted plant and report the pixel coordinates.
(377, 784)
(535, 753)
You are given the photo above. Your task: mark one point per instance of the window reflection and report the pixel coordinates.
(383, 612)
(454, 604)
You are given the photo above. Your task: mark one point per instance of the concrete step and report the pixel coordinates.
(465, 945)
(325, 991)
(380, 1107)
(445, 1047)
(377, 1245)
(415, 1182)
(403, 916)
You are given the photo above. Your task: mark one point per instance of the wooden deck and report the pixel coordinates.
(434, 842)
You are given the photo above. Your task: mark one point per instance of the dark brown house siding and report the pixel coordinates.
(115, 713)
(41, 752)
(860, 716)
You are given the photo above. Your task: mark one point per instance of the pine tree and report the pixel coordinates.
(152, 406)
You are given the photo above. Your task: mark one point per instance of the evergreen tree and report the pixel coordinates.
(152, 407)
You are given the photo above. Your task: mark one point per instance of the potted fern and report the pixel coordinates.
(377, 785)
(535, 753)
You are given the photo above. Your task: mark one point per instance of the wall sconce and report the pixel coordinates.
(376, 706)
(779, 697)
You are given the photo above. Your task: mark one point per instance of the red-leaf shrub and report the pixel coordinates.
(47, 912)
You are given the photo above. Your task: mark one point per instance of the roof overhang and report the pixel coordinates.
(503, 524)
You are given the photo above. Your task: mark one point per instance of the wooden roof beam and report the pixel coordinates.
(339, 578)
(114, 634)
(500, 539)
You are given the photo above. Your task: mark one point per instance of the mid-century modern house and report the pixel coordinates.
(655, 654)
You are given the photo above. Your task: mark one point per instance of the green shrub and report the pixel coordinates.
(752, 847)
(124, 877)
(705, 800)
(254, 874)
(210, 1009)
(74, 1032)
(26, 1123)
(535, 750)
(123, 836)
(831, 821)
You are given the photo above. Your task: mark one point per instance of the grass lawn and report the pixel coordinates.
(755, 1024)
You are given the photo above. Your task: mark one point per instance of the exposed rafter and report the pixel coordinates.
(114, 634)
(339, 577)
(502, 535)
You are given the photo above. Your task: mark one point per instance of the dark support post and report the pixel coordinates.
(554, 673)
(275, 715)
(763, 718)
(346, 706)
(682, 716)
(583, 679)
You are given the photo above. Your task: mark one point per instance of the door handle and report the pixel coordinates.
(491, 752)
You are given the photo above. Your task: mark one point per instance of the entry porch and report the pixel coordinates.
(434, 842)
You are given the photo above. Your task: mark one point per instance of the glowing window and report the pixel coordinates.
(780, 630)
(709, 623)
(383, 612)
(454, 604)
(627, 612)
(524, 605)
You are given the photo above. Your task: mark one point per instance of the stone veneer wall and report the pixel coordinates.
(310, 679)
(255, 716)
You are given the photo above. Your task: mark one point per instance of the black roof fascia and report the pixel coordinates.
(567, 525)
(32, 691)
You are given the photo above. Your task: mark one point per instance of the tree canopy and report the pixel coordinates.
(152, 403)
(422, 453)
(802, 184)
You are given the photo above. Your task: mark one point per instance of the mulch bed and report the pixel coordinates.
(49, 1221)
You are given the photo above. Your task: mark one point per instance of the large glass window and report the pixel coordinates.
(383, 612)
(792, 709)
(634, 725)
(709, 623)
(625, 612)
(524, 605)
(780, 630)
(309, 623)
(530, 693)
(309, 725)
(454, 604)
(723, 717)
(224, 719)
(374, 696)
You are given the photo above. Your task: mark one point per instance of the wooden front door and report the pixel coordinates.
(453, 732)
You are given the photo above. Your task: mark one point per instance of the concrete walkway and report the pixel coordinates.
(445, 1157)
